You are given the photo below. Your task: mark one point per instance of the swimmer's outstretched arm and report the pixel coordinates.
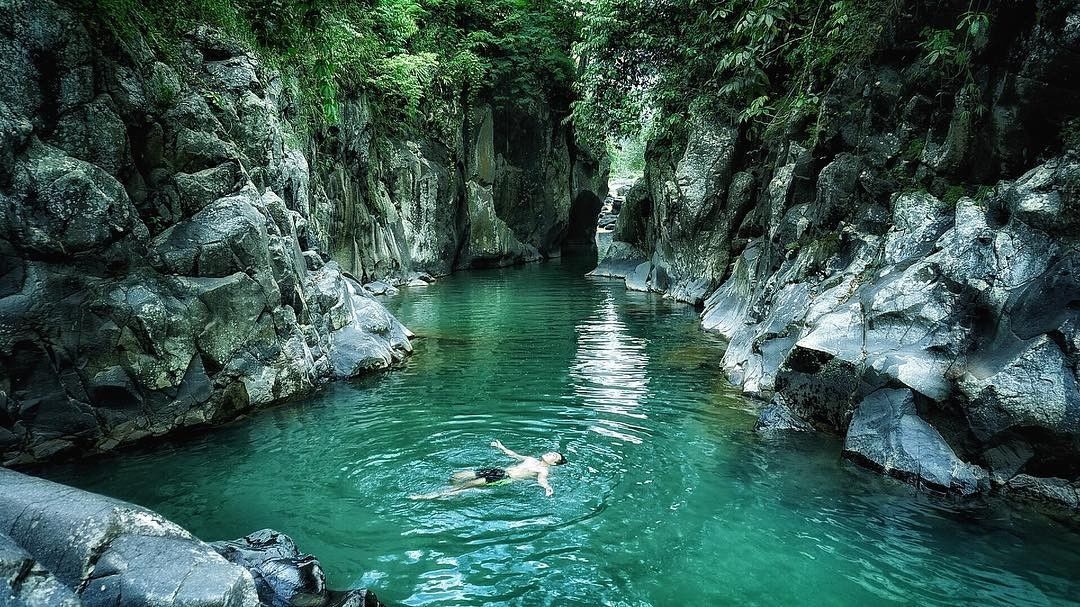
(498, 445)
(542, 480)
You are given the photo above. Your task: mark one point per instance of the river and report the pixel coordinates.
(668, 496)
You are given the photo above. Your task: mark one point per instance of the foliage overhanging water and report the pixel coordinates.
(668, 498)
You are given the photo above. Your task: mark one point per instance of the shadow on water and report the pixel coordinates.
(668, 496)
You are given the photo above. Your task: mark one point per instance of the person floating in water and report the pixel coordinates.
(529, 467)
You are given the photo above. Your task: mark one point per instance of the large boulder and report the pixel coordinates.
(114, 553)
(66, 207)
(63, 547)
(1048, 197)
(1033, 387)
(887, 434)
(620, 260)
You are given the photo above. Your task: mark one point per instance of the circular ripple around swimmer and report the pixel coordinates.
(668, 498)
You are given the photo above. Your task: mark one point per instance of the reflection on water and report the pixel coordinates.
(609, 371)
(668, 497)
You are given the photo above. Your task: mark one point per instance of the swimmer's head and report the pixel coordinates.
(553, 458)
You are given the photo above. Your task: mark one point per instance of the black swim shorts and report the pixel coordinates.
(491, 475)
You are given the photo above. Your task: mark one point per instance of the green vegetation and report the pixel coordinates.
(914, 150)
(418, 59)
(645, 65)
(1070, 134)
(628, 155)
(954, 48)
(953, 193)
(765, 64)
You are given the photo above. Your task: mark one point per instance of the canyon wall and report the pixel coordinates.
(500, 191)
(175, 251)
(906, 277)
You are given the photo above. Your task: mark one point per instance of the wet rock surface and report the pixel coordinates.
(777, 416)
(285, 577)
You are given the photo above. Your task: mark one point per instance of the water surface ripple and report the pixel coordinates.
(669, 498)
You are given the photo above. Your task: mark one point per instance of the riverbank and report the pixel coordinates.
(899, 267)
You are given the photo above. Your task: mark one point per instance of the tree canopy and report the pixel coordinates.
(765, 63)
(411, 55)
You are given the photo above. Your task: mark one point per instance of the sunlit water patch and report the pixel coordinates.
(668, 498)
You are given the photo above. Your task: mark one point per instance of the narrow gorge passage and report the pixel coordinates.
(795, 286)
(669, 497)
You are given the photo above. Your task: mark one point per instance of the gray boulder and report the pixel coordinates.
(114, 553)
(67, 207)
(918, 220)
(377, 287)
(619, 261)
(284, 576)
(887, 434)
(63, 547)
(1034, 387)
(1048, 197)
(25, 583)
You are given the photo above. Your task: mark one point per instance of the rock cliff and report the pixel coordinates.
(176, 250)
(906, 277)
(501, 191)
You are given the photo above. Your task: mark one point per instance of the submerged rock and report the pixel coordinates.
(378, 287)
(284, 576)
(778, 417)
(1054, 493)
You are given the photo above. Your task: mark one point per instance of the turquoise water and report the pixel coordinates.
(668, 498)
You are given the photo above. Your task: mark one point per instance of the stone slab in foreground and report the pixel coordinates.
(65, 546)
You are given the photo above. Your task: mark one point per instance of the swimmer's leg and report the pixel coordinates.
(471, 484)
(463, 477)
